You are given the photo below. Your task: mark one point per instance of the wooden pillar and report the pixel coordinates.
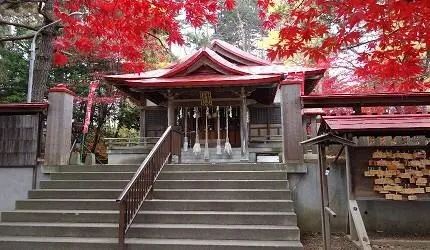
(325, 218)
(314, 130)
(357, 230)
(170, 110)
(59, 125)
(268, 135)
(292, 130)
(142, 120)
(244, 126)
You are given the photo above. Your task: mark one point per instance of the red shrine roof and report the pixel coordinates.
(220, 65)
(34, 107)
(375, 125)
(233, 52)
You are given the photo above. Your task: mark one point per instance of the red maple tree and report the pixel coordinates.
(123, 30)
(389, 39)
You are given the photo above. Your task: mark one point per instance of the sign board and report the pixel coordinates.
(205, 98)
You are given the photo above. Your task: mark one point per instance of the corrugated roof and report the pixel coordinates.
(375, 125)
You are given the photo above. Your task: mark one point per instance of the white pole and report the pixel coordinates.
(33, 55)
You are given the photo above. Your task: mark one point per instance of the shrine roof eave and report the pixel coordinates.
(203, 81)
(230, 49)
(366, 100)
(34, 107)
(377, 125)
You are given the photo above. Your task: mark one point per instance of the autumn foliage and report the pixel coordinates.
(123, 30)
(388, 39)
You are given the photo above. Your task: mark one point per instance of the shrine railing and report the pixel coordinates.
(130, 142)
(141, 185)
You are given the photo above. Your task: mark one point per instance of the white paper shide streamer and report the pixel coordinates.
(185, 130)
(227, 146)
(197, 149)
(218, 140)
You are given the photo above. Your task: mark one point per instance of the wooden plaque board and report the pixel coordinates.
(362, 186)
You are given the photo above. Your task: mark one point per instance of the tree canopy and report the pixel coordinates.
(122, 29)
(387, 41)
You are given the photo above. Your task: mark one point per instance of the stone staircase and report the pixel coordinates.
(204, 206)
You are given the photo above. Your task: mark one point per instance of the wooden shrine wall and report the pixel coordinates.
(265, 123)
(363, 186)
(19, 140)
(156, 121)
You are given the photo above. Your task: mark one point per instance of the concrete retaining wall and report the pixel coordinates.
(14, 185)
(388, 216)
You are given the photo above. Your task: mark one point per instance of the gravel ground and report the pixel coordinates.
(338, 242)
(379, 241)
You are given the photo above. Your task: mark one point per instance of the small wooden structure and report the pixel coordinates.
(21, 133)
(359, 186)
(323, 141)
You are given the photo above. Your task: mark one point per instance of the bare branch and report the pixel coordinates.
(160, 41)
(18, 25)
(16, 38)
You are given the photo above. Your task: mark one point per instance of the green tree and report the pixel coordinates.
(13, 75)
(13, 67)
(241, 26)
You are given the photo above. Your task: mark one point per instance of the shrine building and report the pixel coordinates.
(221, 93)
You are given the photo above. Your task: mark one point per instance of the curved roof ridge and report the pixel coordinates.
(212, 56)
(229, 48)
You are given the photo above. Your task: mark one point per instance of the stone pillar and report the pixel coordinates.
(292, 130)
(59, 125)
(244, 138)
(170, 110)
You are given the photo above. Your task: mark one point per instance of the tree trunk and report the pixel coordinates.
(241, 31)
(44, 52)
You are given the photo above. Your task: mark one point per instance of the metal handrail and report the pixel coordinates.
(137, 190)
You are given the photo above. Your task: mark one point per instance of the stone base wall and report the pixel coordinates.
(402, 217)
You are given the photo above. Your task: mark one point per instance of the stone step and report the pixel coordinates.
(99, 168)
(220, 205)
(74, 193)
(224, 167)
(160, 231)
(83, 184)
(62, 204)
(92, 176)
(223, 175)
(167, 217)
(223, 194)
(221, 184)
(74, 243)
(214, 232)
(38, 229)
